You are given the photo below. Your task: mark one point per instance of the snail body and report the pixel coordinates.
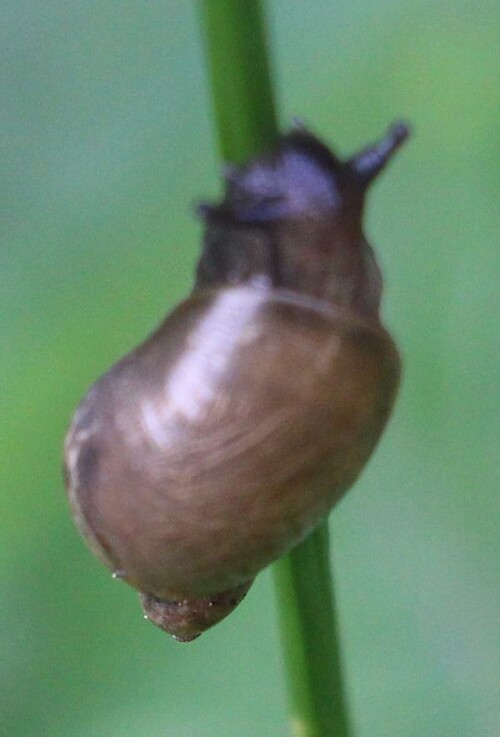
(218, 444)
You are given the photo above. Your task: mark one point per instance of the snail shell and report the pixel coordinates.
(218, 444)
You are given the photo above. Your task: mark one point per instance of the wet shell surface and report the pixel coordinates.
(220, 443)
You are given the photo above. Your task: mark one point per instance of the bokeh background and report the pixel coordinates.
(107, 140)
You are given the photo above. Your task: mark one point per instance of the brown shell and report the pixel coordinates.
(218, 444)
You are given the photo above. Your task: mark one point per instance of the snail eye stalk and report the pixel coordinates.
(369, 162)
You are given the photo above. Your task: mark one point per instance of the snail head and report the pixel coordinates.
(301, 176)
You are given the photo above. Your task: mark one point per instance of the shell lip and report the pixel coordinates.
(262, 291)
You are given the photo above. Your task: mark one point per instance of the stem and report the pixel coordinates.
(247, 126)
(309, 638)
(240, 79)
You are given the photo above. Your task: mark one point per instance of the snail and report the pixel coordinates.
(218, 444)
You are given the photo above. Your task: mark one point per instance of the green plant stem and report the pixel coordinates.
(309, 639)
(247, 126)
(240, 79)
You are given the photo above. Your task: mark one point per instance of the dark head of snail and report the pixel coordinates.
(222, 440)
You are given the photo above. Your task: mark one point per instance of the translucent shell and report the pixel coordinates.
(219, 443)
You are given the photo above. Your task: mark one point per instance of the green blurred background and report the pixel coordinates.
(107, 139)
